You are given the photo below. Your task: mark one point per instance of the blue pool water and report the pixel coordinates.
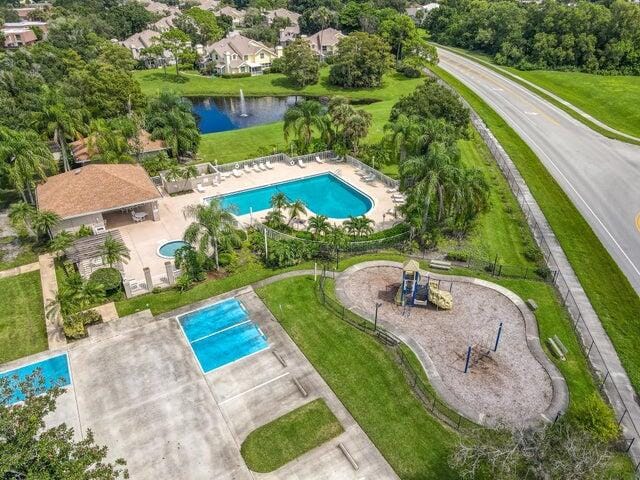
(54, 370)
(323, 194)
(221, 333)
(169, 249)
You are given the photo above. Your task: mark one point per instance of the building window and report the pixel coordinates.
(262, 55)
(246, 57)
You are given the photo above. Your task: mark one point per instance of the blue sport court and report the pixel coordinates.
(323, 194)
(221, 334)
(54, 370)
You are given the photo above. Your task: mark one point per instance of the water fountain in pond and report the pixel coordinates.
(243, 106)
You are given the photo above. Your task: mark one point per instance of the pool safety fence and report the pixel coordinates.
(413, 375)
(210, 174)
(586, 324)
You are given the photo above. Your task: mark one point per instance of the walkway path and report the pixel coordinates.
(55, 335)
(294, 273)
(12, 272)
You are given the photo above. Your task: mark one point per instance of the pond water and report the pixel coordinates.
(219, 114)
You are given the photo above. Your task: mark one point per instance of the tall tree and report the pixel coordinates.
(301, 120)
(59, 121)
(29, 448)
(361, 61)
(213, 228)
(300, 63)
(177, 43)
(200, 25)
(169, 118)
(114, 251)
(26, 158)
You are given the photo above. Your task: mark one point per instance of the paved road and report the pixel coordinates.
(601, 176)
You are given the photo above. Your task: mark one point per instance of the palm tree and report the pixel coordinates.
(21, 214)
(109, 142)
(28, 159)
(350, 225)
(169, 118)
(113, 251)
(359, 226)
(355, 128)
(187, 173)
(58, 120)
(319, 225)
(214, 228)
(274, 219)
(401, 134)
(74, 295)
(301, 119)
(296, 209)
(173, 173)
(337, 239)
(44, 221)
(60, 243)
(279, 201)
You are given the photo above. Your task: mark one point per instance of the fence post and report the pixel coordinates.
(604, 381)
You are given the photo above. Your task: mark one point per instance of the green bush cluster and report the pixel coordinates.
(74, 326)
(109, 278)
(235, 75)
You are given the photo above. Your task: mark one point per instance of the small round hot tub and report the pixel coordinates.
(168, 249)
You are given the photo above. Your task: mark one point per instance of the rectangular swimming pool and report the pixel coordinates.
(323, 194)
(54, 370)
(221, 334)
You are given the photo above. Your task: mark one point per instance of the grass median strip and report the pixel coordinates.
(612, 296)
(286, 438)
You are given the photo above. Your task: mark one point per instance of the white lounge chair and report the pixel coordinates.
(256, 168)
(200, 188)
(368, 179)
(392, 190)
(237, 173)
(246, 168)
(268, 164)
(262, 167)
(319, 160)
(301, 163)
(398, 195)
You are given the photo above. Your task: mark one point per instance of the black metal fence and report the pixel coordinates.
(413, 372)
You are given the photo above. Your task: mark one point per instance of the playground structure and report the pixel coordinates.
(414, 293)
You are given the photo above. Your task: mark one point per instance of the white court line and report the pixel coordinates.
(255, 388)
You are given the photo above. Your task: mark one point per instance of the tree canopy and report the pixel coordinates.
(361, 61)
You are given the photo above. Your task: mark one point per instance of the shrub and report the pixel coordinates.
(184, 282)
(225, 258)
(409, 72)
(235, 75)
(457, 256)
(533, 253)
(74, 326)
(109, 278)
(596, 418)
(84, 231)
(543, 272)
(277, 65)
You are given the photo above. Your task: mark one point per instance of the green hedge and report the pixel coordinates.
(109, 278)
(74, 326)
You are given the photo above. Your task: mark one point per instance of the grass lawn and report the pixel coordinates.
(261, 140)
(367, 380)
(22, 324)
(611, 99)
(609, 291)
(286, 438)
(28, 253)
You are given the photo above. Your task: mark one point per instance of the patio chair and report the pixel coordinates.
(256, 168)
(200, 188)
(237, 173)
(301, 163)
(269, 165)
(392, 190)
(319, 160)
(369, 179)
(134, 217)
(246, 168)
(262, 166)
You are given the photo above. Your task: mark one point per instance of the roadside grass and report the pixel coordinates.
(275, 444)
(369, 383)
(609, 291)
(611, 99)
(22, 324)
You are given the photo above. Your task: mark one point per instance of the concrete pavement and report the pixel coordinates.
(601, 176)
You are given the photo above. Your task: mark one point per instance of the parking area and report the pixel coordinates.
(137, 386)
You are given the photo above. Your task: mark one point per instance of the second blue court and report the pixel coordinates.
(54, 372)
(221, 334)
(323, 194)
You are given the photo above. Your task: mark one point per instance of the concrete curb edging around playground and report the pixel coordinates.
(560, 396)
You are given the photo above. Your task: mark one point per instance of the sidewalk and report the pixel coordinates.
(55, 335)
(12, 272)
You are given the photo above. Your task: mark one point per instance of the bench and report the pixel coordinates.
(440, 264)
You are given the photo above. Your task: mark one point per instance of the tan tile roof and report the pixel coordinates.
(328, 36)
(283, 13)
(238, 44)
(95, 188)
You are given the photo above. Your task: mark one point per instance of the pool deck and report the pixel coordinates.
(138, 387)
(143, 239)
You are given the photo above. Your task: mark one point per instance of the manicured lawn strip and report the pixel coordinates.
(171, 299)
(286, 438)
(367, 380)
(610, 99)
(612, 296)
(22, 325)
